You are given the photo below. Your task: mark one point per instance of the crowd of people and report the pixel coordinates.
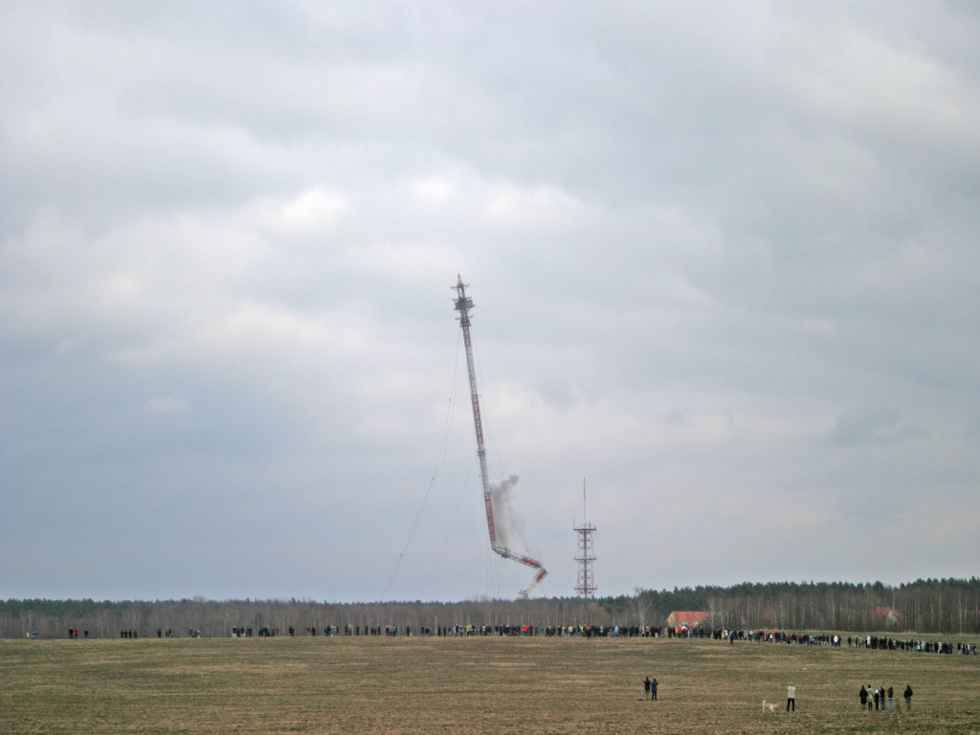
(892, 644)
(872, 642)
(586, 631)
(263, 632)
(877, 699)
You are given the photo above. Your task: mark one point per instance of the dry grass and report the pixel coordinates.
(474, 685)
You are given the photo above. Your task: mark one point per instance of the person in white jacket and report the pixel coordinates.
(791, 697)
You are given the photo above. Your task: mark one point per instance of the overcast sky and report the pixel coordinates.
(725, 259)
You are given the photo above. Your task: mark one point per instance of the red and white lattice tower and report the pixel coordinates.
(586, 556)
(463, 306)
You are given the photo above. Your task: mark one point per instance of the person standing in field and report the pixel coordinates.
(863, 694)
(653, 689)
(908, 697)
(891, 699)
(646, 688)
(791, 697)
(877, 697)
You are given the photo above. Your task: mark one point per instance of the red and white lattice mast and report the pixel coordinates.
(463, 306)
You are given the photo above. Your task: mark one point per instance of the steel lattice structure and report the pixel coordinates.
(586, 580)
(463, 306)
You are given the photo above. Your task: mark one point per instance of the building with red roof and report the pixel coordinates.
(686, 618)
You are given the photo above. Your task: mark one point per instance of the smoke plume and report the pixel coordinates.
(500, 495)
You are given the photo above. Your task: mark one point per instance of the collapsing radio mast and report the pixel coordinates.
(463, 305)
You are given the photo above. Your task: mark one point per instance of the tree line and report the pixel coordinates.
(923, 606)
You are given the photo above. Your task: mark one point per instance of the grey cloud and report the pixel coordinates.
(873, 426)
(724, 258)
(174, 403)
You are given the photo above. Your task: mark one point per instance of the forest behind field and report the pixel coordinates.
(927, 606)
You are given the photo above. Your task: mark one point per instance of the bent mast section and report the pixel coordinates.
(463, 306)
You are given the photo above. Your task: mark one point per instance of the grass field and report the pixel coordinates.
(469, 685)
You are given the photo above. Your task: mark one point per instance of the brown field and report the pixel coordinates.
(469, 685)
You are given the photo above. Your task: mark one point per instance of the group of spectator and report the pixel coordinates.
(388, 630)
(835, 641)
(587, 631)
(891, 644)
(263, 632)
(878, 699)
(128, 633)
(593, 631)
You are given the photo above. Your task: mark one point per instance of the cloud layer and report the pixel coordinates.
(724, 259)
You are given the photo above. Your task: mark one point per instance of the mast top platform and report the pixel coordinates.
(462, 301)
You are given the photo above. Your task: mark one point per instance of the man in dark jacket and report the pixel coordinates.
(863, 694)
(646, 688)
(908, 696)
